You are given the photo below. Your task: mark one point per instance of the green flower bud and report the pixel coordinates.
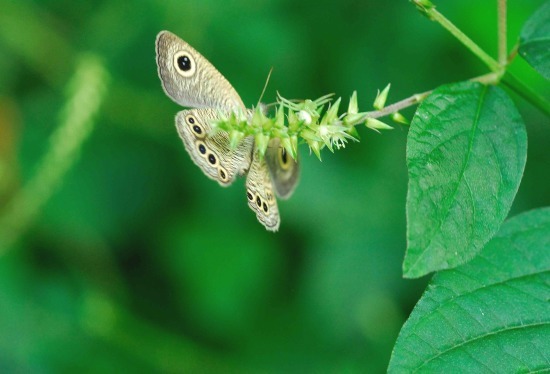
(316, 148)
(304, 116)
(287, 145)
(353, 119)
(399, 118)
(293, 121)
(294, 145)
(352, 107)
(332, 113)
(374, 124)
(380, 100)
(309, 135)
(354, 133)
(280, 116)
(235, 138)
(261, 142)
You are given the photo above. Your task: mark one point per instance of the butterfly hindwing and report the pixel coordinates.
(260, 194)
(284, 170)
(211, 150)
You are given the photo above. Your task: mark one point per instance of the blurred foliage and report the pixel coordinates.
(138, 262)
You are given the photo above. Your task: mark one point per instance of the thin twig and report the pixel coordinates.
(489, 78)
(502, 42)
(427, 8)
(400, 105)
(265, 86)
(87, 92)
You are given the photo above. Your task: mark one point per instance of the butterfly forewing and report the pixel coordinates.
(190, 79)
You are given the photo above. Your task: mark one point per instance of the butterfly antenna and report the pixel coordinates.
(265, 86)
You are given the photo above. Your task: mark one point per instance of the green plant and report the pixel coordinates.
(129, 274)
(466, 152)
(85, 92)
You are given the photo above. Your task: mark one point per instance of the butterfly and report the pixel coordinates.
(191, 81)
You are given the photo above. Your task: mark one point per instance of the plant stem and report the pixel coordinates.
(502, 47)
(524, 91)
(396, 107)
(498, 68)
(490, 78)
(429, 10)
(86, 94)
(111, 323)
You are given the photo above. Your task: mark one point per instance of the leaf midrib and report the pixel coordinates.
(489, 333)
(469, 341)
(466, 162)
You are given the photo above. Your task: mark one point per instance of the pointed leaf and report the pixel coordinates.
(489, 315)
(534, 40)
(466, 153)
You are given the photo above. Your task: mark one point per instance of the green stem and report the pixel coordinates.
(490, 78)
(502, 42)
(499, 68)
(429, 10)
(86, 87)
(524, 91)
(400, 105)
(112, 324)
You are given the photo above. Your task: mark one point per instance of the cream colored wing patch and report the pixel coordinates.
(190, 79)
(260, 195)
(284, 170)
(211, 152)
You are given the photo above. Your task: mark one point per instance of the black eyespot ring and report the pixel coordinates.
(184, 63)
(223, 174)
(258, 201)
(284, 159)
(284, 156)
(195, 126)
(201, 147)
(249, 195)
(264, 205)
(212, 159)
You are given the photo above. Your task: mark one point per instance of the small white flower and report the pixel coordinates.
(304, 116)
(324, 131)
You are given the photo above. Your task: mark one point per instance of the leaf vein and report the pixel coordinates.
(447, 208)
(475, 339)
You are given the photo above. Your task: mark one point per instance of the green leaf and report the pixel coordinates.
(534, 40)
(466, 153)
(490, 315)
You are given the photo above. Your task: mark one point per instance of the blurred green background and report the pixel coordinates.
(140, 263)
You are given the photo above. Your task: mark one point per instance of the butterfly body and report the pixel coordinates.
(190, 80)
